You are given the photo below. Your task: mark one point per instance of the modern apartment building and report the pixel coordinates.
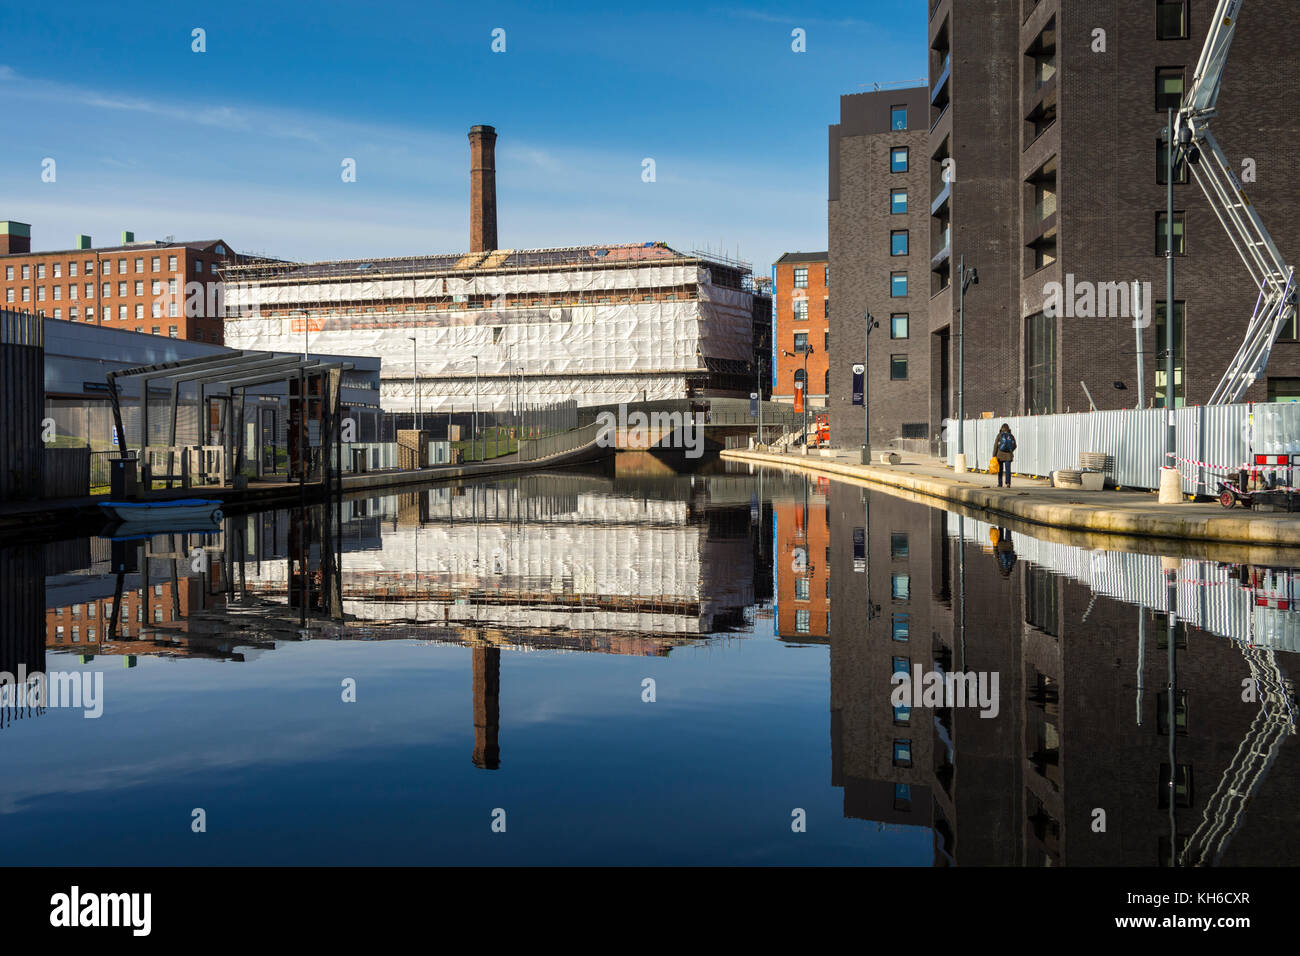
(801, 326)
(878, 229)
(158, 287)
(1051, 112)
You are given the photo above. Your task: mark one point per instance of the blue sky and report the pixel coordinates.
(246, 140)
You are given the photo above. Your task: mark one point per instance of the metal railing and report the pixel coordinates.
(537, 448)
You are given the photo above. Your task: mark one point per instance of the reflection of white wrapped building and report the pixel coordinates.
(570, 562)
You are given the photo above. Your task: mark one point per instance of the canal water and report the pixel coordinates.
(630, 669)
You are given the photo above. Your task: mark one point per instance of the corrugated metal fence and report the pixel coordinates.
(1223, 436)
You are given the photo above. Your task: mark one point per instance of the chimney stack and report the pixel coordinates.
(482, 189)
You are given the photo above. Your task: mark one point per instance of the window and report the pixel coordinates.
(171, 263)
(898, 242)
(916, 430)
(9, 295)
(1169, 88)
(826, 344)
(198, 265)
(801, 342)
(898, 285)
(1180, 350)
(213, 268)
(139, 287)
(27, 272)
(1279, 389)
(902, 753)
(803, 620)
(90, 267)
(901, 587)
(902, 715)
(73, 290)
(155, 263)
(9, 273)
(72, 269)
(171, 331)
(155, 287)
(800, 378)
(1162, 234)
(155, 310)
(1040, 364)
(121, 312)
(107, 290)
(1182, 786)
(898, 157)
(801, 589)
(801, 310)
(139, 310)
(154, 330)
(27, 293)
(139, 264)
(40, 293)
(171, 309)
(58, 313)
(121, 289)
(1171, 19)
(801, 278)
(898, 202)
(902, 665)
(898, 323)
(1162, 713)
(1162, 165)
(826, 276)
(40, 270)
(58, 270)
(72, 314)
(898, 368)
(121, 267)
(898, 117)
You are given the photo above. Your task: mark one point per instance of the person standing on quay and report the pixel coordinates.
(1004, 450)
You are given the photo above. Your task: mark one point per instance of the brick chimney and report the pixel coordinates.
(482, 189)
(17, 237)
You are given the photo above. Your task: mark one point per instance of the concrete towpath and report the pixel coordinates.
(1126, 513)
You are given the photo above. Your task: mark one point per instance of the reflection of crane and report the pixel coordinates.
(1275, 279)
(1251, 763)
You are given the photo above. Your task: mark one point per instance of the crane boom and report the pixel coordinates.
(1191, 138)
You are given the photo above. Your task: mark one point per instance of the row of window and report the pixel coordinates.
(74, 316)
(75, 290)
(106, 268)
(106, 312)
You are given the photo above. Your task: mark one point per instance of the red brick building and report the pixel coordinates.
(156, 287)
(801, 325)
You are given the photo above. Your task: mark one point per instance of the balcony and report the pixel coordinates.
(941, 200)
(942, 249)
(940, 88)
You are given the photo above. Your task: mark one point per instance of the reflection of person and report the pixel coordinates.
(1004, 450)
(1006, 551)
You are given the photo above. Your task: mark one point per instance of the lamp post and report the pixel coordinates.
(475, 435)
(866, 388)
(965, 278)
(806, 350)
(1171, 481)
(415, 386)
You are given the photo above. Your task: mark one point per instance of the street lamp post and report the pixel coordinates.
(965, 278)
(866, 389)
(475, 435)
(415, 386)
(1171, 481)
(807, 350)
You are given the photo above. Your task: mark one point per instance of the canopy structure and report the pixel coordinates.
(227, 379)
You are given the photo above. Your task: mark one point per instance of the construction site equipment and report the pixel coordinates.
(1191, 138)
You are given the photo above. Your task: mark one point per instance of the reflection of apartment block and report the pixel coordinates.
(895, 764)
(802, 566)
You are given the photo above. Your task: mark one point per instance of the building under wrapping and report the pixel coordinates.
(602, 324)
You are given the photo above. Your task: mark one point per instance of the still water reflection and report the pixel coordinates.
(658, 669)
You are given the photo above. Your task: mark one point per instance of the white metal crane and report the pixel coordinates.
(1275, 280)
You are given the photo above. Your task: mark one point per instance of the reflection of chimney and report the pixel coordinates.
(487, 709)
(482, 189)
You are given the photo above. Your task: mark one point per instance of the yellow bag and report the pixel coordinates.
(993, 466)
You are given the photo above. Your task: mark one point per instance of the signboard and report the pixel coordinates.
(859, 549)
(753, 404)
(859, 390)
(798, 396)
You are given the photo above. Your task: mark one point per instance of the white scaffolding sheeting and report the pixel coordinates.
(597, 351)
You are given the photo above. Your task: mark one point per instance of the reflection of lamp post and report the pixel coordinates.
(475, 435)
